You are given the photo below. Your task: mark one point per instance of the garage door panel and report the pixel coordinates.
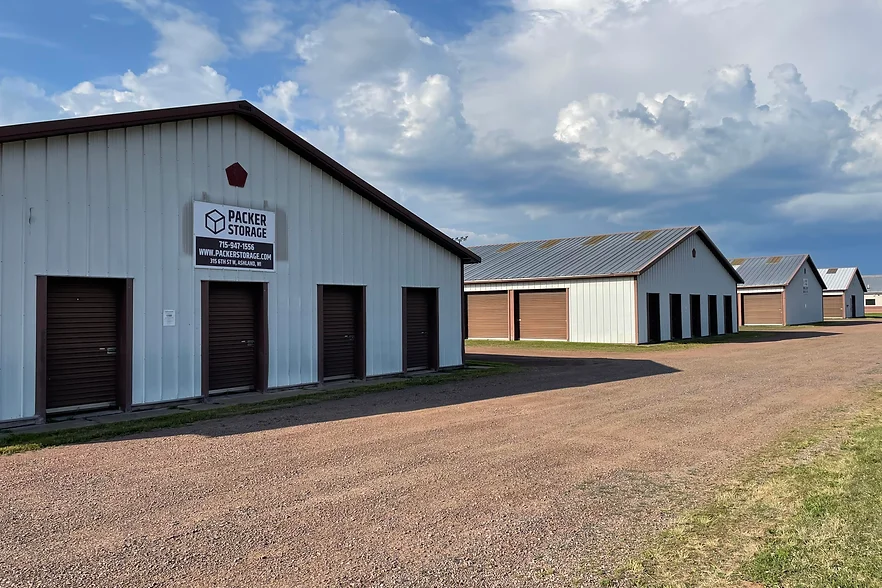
(232, 336)
(340, 345)
(763, 309)
(833, 307)
(82, 325)
(488, 315)
(543, 315)
(420, 334)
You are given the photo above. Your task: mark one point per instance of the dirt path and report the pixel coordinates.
(549, 475)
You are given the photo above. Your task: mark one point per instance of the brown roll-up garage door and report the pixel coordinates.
(763, 309)
(83, 348)
(833, 307)
(542, 315)
(421, 339)
(232, 336)
(342, 345)
(488, 315)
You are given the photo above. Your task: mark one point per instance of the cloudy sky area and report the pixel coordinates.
(517, 119)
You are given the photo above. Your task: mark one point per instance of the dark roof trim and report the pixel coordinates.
(857, 272)
(710, 245)
(263, 122)
(808, 259)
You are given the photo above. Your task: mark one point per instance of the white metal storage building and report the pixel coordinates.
(844, 290)
(779, 290)
(873, 296)
(164, 255)
(636, 287)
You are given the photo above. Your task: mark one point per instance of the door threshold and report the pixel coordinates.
(231, 390)
(82, 408)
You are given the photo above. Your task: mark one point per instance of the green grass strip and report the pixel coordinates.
(808, 513)
(17, 443)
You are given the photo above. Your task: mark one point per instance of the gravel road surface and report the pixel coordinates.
(550, 476)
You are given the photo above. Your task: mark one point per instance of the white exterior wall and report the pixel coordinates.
(679, 273)
(601, 310)
(118, 204)
(804, 307)
(855, 289)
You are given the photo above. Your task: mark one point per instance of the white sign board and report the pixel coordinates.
(168, 318)
(229, 237)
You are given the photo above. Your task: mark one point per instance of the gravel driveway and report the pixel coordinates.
(546, 477)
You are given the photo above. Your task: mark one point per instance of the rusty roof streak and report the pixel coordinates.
(263, 122)
(508, 247)
(550, 243)
(646, 235)
(595, 240)
(774, 260)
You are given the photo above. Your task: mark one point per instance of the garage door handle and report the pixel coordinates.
(108, 350)
(249, 342)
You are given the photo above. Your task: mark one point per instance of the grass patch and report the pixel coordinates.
(807, 514)
(744, 335)
(17, 443)
(873, 315)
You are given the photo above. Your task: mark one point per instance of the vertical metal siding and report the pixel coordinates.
(115, 204)
(679, 273)
(855, 289)
(601, 310)
(804, 308)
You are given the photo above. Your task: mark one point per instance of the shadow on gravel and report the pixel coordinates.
(851, 322)
(536, 376)
(774, 336)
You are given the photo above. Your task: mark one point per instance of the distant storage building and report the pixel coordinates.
(158, 256)
(843, 293)
(779, 290)
(638, 287)
(873, 296)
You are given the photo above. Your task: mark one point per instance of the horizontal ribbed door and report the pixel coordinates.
(232, 336)
(763, 309)
(82, 342)
(487, 315)
(340, 332)
(420, 328)
(542, 314)
(833, 306)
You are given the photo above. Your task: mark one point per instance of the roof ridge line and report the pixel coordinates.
(586, 236)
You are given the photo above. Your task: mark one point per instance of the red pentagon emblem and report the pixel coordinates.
(236, 175)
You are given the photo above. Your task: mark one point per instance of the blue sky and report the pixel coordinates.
(517, 119)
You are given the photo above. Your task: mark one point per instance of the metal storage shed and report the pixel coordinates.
(166, 255)
(873, 296)
(634, 287)
(779, 290)
(843, 292)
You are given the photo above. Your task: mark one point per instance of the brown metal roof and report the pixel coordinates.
(262, 121)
